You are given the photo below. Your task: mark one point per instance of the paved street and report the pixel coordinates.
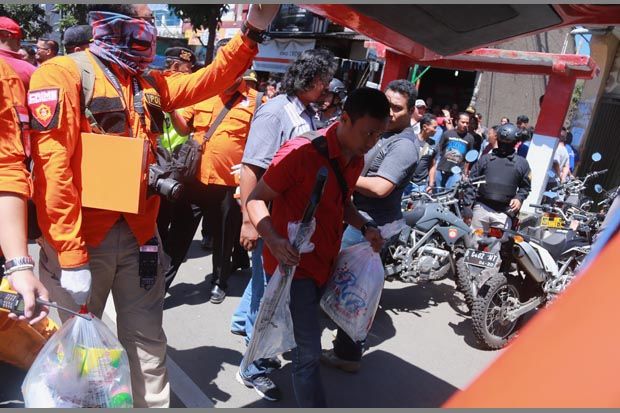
(421, 349)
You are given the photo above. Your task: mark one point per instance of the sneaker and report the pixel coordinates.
(272, 363)
(217, 295)
(263, 385)
(328, 357)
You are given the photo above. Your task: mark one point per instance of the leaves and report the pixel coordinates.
(31, 18)
(71, 15)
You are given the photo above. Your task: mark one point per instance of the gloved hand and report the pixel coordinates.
(261, 15)
(77, 282)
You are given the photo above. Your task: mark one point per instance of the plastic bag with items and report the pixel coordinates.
(82, 365)
(352, 294)
(273, 330)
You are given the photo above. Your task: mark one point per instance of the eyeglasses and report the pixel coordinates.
(42, 48)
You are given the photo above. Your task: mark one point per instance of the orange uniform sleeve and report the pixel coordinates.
(54, 103)
(230, 63)
(14, 177)
(187, 113)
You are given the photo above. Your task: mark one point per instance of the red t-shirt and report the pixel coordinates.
(292, 174)
(23, 69)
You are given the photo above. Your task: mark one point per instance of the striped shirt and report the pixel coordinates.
(280, 119)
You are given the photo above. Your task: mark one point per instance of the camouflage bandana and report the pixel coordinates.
(123, 40)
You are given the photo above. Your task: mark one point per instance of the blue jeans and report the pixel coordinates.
(245, 315)
(411, 187)
(446, 180)
(307, 382)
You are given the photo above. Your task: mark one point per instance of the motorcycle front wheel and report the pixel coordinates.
(490, 324)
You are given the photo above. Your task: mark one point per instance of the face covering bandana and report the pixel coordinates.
(123, 40)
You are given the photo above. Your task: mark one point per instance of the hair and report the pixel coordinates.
(52, 44)
(310, 65)
(126, 9)
(427, 119)
(461, 114)
(569, 138)
(507, 120)
(404, 87)
(367, 101)
(272, 82)
(495, 128)
(523, 119)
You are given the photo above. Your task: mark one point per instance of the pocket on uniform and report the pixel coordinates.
(109, 114)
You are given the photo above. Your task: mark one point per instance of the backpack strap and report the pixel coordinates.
(220, 117)
(320, 144)
(87, 80)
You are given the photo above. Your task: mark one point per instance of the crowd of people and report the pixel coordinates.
(256, 171)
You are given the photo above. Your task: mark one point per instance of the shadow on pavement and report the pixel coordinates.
(384, 381)
(204, 364)
(182, 293)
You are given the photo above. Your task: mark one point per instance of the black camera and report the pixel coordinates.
(162, 182)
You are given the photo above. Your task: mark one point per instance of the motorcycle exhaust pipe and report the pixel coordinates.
(435, 251)
(529, 266)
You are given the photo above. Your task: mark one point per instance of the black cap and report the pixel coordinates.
(77, 35)
(182, 54)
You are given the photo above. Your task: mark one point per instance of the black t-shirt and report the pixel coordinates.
(453, 148)
(426, 152)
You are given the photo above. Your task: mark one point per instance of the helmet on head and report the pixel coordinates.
(508, 133)
(337, 88)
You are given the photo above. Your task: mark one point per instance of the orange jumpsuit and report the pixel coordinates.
(54, 101)
(13, 124)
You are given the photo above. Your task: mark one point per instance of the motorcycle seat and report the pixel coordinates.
(558, 243)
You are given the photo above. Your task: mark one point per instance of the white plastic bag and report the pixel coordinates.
(352, 294)
(273, 329)
(82, 365)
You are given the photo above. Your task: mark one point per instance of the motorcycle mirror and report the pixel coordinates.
(550, 194)
(598, 188)
(471, 156)
(596, 156)
(455, 170)
(551, 174)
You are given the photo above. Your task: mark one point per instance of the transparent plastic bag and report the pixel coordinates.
(273, 330)
(352, 294)
(82, 365)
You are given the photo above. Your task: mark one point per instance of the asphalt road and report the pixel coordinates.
(421, 348)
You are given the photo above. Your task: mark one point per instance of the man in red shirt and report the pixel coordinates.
(10, 42)
(288, 183)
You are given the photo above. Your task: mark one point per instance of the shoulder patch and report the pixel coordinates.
(153, 100)
(43, 105)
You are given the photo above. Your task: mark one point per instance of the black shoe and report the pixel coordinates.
(217, 295)
(207, 243)
(272, 363)
(263, 385)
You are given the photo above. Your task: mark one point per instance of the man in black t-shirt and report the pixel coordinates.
(427, 149)
(454, 144)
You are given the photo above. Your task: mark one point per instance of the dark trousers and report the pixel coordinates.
(177, 223)
(223, 216)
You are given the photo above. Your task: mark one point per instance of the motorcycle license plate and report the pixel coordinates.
(551, 222)
(481, 258)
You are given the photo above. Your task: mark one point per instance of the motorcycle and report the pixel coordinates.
(544, 268)
(434, 234)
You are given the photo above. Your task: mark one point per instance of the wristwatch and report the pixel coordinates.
(253, 33)
(367, 225)
(18, 263)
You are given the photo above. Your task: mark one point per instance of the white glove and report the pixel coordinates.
(77, 282)
(261, 15)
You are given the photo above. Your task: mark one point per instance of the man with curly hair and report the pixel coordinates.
(282, 118)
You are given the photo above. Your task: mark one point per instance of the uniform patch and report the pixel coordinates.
(154, 100)
(43, 105)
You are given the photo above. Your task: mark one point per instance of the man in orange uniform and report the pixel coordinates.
(15, 188)
(126, 101)
(224, 142)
